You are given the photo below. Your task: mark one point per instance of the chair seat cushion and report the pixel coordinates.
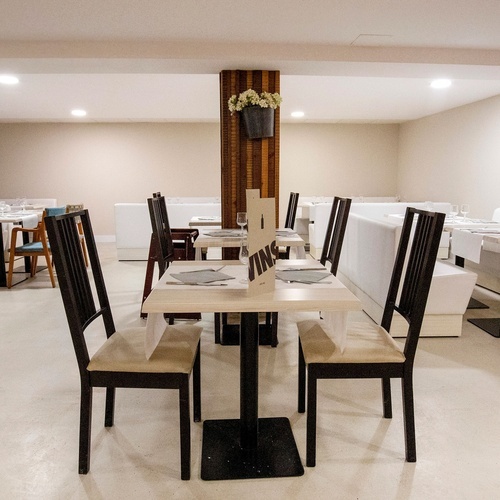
(35, 246)
(124, 351)
(366, 343)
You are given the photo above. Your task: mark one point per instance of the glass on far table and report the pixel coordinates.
(454, 211)
(241, 220)
(464, 210)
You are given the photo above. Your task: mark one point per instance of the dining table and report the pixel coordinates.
(251, 446)
(468, 244)
(28, 219)
(231, 238)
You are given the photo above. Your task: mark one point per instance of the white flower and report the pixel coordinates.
(251, 98)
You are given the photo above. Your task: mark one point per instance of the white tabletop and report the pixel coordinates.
(287, 238)
(205, 220)
(330, 296)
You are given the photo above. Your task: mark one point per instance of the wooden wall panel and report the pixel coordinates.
(246, 164)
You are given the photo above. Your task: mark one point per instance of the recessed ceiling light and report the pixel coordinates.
(79, 112)
(440, 83)
(298, 114)
(9, 79)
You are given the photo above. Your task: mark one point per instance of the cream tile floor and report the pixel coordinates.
(360, 455)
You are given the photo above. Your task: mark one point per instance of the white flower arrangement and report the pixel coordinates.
(251, 98)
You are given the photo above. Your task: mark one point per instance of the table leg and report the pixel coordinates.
(3, 273)
(250, 447)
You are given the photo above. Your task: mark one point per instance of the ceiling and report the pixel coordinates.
(345, 61)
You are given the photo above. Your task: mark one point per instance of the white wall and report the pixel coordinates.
(453, 156)
(102, 164)
(338, 159)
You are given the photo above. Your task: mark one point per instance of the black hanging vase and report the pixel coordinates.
(259, 122)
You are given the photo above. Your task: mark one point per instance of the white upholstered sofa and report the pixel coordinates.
(367, 259)
(133, 225)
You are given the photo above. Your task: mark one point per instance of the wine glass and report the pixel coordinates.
(3, 207)
(241, 220)
(454, 211)
(244, 258)
(464, 210)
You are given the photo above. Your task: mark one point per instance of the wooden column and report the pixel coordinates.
(245, 163)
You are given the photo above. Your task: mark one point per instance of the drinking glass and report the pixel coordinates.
(454, 211)
(244, 256)
(241, 220)
(2, 207)
(464, 210)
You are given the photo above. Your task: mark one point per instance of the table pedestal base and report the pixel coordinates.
(231, 334)
(276, 454)
(489, 325)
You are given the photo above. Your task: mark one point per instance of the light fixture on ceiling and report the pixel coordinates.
(298, 114)
(79, 113)
(9, 79)
(440, 83)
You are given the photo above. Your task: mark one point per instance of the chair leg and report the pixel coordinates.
(217, 327)
(109, 412)
(197, 386)
(386, 397)
(49, 268)
(85, 430)
(11, 268)
(409, 418)
(185, 427)
(148, 279)
(34, 264)
(274, 329)
(311, 419)
(302, 381)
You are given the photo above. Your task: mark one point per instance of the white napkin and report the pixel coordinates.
(335, 323)
(155, 328)
(466, 244)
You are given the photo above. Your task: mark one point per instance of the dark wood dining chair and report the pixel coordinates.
(370, 351)
(293, 202)
(335, 232)
(121, 360)
(164, 249)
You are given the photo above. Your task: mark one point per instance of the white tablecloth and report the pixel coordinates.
(468, 244)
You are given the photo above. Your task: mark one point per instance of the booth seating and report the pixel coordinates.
(320, 212)
(366, 263)
(133, 225)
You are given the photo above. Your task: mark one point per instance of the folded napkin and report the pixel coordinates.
(285, 232)
(225, 233)
(201, 276)
(299, 276)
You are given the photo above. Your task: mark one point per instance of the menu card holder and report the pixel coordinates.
(261, 243)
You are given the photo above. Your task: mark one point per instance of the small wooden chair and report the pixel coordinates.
(37, 247)
(121, 360)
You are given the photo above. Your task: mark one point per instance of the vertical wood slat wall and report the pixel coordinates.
(245, 163)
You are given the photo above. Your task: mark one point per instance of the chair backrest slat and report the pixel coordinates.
(74, 282)
(162, 235)
(414, 266)
(335, 232)
(291, 212)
